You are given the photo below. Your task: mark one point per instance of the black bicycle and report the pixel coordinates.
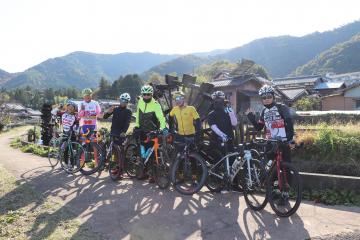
(189, 171)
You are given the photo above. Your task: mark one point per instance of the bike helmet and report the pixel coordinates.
(218, 94)
(86, 92)
(266, 89)
(125, 98)
(71, 103)
(147, 89)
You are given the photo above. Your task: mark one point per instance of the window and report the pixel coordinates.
(357, 103)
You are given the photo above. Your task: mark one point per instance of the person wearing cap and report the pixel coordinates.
(187, 119)
(121, 117)
(88, 112)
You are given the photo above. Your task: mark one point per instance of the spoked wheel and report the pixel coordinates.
(132, 159)
(91, 159)
(54, 152)
(116, 163)
(254, 190)
(162, 171)
(284, 190)
(70, 157)
(188, 174)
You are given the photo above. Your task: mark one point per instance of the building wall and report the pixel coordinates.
(338, 103)
(354, 92)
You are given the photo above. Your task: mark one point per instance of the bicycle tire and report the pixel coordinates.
(131, 160)
(88, 164)
(270, 189)
(162, 170)
(256, 195)
(54, 152)
(116, 167)
(178, 165)
(73, 154)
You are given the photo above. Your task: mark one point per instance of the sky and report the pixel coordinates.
(31, 31)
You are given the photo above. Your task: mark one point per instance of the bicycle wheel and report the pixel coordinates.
(162, 170)
(213, 182)
(284, 191)
(54, 152)
(254, 190)
(132, 160)
(116, 163)
(91, 159)
(188, 175)
(70, 156)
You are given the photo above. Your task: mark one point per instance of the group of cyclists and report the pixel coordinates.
(184, 124)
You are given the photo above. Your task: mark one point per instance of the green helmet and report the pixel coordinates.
(86, 91)
(147, 89)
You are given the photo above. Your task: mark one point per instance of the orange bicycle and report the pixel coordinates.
(155, 161)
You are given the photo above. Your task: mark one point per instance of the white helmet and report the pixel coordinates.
(266, 89)
(218, 94)
(147, 89)
(125, 97)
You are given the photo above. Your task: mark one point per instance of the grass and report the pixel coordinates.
(350, 129)
(26, 214)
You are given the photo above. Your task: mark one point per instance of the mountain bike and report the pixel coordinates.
(284, 185)
(115, 156)
(189, 171)
(155, 161)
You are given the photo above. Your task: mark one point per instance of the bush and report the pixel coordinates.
(308, 104)
(332, 197)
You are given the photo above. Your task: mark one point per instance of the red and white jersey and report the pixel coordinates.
(274, 123)
(68, 121)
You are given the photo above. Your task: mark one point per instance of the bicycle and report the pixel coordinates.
(92, 158)
(156, 161)
(245, 173)
(189, 171)
(283, 182)
(69, 153)
(114, 156)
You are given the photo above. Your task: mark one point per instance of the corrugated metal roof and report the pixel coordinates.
(328, 85)
(296, 80)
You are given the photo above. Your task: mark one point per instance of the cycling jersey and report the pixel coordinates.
(68, 121)
(120, 120)
(185, 117)
(149, 116)
(277, 121)
(89, 115)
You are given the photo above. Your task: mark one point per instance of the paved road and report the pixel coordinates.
(138, 210)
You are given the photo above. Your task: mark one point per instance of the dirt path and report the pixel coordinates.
(138, 210)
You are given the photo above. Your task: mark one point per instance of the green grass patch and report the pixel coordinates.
(333, 197)
(25, 213)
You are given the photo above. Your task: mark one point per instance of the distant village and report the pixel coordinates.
(336, 91)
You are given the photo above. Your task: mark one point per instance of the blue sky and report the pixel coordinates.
(35, 30)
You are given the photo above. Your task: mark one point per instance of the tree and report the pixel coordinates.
(308, 104)
(104, 89)
(131, 84)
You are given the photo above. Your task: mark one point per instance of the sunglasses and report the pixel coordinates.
(180, 98)
(146, 94)
(268, 96)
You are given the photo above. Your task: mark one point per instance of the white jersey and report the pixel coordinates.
(89, 114)
(68, 121)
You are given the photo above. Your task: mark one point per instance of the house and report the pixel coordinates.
(344, 99)
(347, 78)
(19, 110)
(242, 91)
(291, 95)
(303, 82)
(327, 88)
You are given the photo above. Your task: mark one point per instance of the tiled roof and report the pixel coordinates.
(292, 94)
(296, 80)
(238, 80)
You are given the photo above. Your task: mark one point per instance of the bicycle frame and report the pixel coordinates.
(154, 149)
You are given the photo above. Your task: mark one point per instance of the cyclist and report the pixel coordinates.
(70, 124)
(149, 117)
(276, 118)
(222, 120)
(187, 119)
(121, 117)
(89, 111)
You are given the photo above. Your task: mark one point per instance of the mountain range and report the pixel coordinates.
(281, 56)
